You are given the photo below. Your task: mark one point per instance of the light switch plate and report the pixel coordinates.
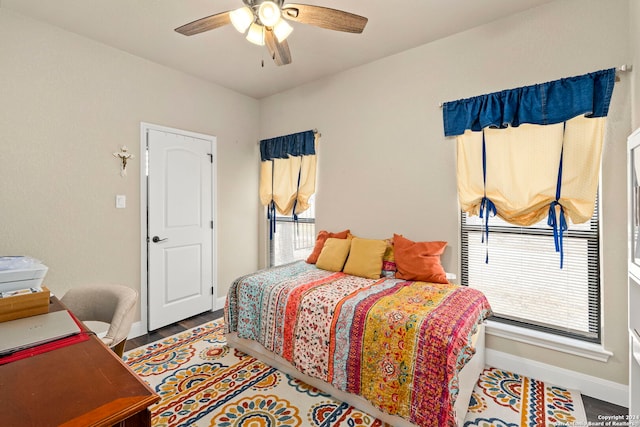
(121, 201)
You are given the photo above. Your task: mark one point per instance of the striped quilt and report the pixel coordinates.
(398, 344)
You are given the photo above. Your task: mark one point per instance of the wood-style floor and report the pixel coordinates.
(594, 408)
(173, 329)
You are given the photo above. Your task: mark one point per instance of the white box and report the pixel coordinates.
(12, 279)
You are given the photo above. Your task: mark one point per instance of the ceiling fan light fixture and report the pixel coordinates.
(263, 23)
(269, 13)
(256, 34)
(282, 30)
(242, 18)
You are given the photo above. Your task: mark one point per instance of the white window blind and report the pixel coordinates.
(523, 280)
(293, 240)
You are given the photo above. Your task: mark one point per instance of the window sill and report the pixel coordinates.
(550, 341)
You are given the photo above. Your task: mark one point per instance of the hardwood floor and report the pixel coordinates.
(173, 329)
(594, 408)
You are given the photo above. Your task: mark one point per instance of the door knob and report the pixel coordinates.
(156, 239)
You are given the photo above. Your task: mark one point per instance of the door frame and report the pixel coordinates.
(144, 203)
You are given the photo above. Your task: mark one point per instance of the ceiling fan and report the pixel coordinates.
(263, 22)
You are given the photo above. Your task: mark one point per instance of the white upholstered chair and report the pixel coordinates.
(111, 304)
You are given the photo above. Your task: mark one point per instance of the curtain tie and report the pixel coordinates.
(295, 202)
(271, 209)
(487, 209)
(559, 226)
(271, 216)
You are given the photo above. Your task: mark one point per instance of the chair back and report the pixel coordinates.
(112, 304)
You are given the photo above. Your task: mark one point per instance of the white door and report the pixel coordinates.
(180, 226)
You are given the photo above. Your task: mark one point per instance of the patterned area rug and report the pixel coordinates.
(505, 399)
(204, 383)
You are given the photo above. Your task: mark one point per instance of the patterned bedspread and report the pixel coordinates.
(397, 343)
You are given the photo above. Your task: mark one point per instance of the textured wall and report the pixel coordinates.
(67, 103)
(385, 166)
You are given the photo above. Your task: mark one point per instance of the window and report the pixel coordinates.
(515, 147)
(292, 240)
(523, 280)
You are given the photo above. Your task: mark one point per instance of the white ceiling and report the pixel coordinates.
(145, 28)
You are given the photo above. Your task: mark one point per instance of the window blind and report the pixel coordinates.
(294, 239)
(523, 281)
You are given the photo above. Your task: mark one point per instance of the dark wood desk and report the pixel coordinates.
(84, 384)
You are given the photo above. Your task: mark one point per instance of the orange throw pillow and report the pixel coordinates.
(323, 235)
(419, 261)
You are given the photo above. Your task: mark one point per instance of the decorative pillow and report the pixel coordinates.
(389, 260)
(334, 253)
(419, 261)
(323, 235)
(365, 258)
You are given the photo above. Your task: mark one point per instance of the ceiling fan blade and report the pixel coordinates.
(324, 17)
(279, 51)
(205, 24)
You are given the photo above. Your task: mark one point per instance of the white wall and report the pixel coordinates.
(66, 104)
(385, 167)
(634, 19)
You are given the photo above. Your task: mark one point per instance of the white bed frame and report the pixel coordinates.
(467, 378)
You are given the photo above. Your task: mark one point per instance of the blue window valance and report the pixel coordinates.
(281, 147)
(542, 104)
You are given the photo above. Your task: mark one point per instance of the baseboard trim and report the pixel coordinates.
(589, 385)
(137, 330)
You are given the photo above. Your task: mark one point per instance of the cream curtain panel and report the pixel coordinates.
(522, 169)
(533, 151)
(279, 183)
(287, 174)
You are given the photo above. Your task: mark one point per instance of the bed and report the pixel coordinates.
(406, 352)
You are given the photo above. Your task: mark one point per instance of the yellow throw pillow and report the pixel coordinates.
(365, 258)
(334, 253)
(323, 235)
